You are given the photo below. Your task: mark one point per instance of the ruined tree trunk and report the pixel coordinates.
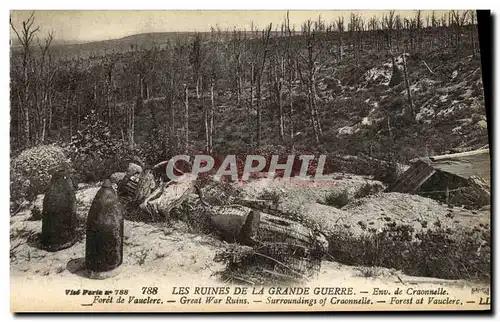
(290, 76)
(238, 80)
(408, 89)
(25, 108)
(260, 71)
(259, 111)
(341, 52)
(250, 110)
(209, 118)
(282, 122)
(142, 87)
(49, 126)
(198, 84)
(172, 109)
(315, 107)
(212, 112)
(186, 116)
(206, 120)
(312, 113)
(280, 100)
(26, 125)
(290, 93)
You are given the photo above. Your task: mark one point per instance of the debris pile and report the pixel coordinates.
(271, 243)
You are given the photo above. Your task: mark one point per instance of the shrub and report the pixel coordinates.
(218, 193)
(158, 147)
(95, 152)
(443, 253)
(369, 271)
(387, 173)
(32, 169)
(337, 199)
(367, 189)
(270, 195)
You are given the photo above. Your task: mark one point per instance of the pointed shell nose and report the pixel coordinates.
(107, 183)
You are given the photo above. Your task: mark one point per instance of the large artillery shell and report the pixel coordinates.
(249, 228)
(59, 222)
(104, 245)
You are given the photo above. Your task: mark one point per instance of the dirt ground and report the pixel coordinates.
(171, 250)
(170, 253)
(373, 211)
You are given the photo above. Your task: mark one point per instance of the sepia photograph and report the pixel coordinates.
(250, 160)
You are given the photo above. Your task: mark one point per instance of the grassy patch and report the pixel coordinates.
(442, 253)
(337, 199)
(366, 190)
(270, 195)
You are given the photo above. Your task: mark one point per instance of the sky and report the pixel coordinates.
(86, 25)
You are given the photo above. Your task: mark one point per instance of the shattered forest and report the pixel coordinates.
(394, 101)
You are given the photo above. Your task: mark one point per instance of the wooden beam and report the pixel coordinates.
(459, 155)
(413, 178)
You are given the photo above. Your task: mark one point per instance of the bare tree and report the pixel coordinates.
(210, 118)
(43, 85)
(109, 65)
(261, 61)
(373, 26)
(388, 24)
(290, 60)
(434, 24)
(434, 20)
(355, 32)
(173, 76)
(214, 71)
(398, 24)
(312, 67)
(340, 30)
(186, 117)
(25, 39)
(197, 59)
(143, 67)
(419, 26)
(472, 26)
(238, 64)
(278, 74)
(458, 21)
(408, 88)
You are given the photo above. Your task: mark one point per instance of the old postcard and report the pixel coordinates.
(244, 161)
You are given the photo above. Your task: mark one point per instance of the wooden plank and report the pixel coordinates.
(459, 155)
(413, 178)
(401, 183)
(423, 179)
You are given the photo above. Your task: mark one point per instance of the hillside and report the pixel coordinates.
(84, 49)
(102, 47)
(141, 93)
(358, 111)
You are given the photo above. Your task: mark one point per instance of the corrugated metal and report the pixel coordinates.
(464, 165)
